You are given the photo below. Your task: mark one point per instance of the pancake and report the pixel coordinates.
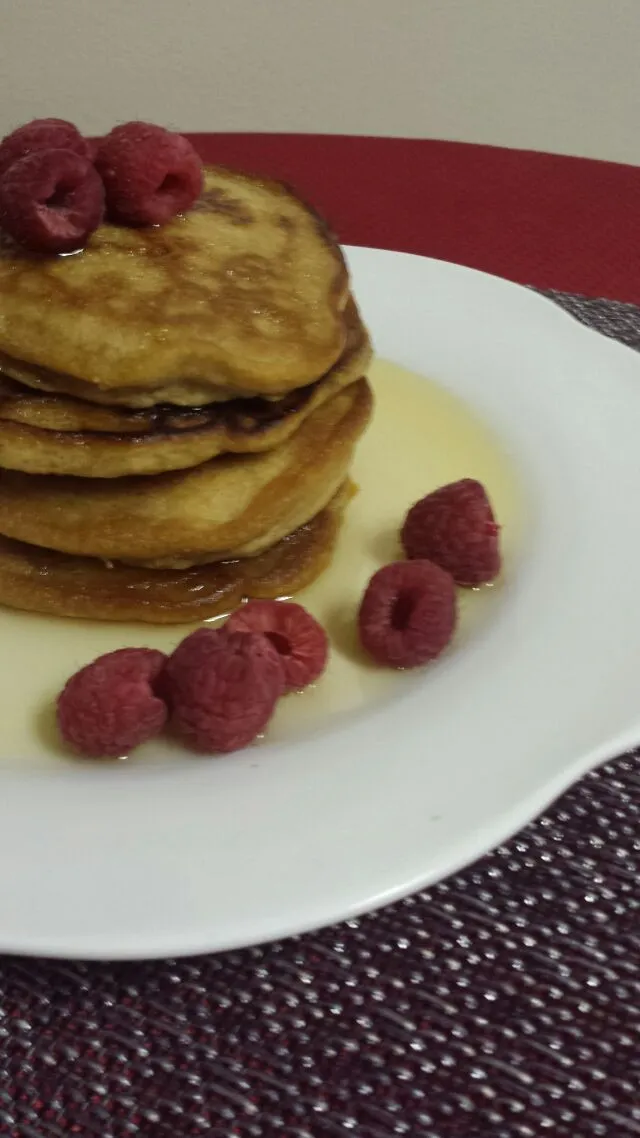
(232, 506)
(243, 295)
(41, 581)
(43, 433)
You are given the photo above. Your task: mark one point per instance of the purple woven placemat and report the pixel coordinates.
(504, 1002)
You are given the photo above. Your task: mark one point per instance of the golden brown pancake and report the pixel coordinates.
(38, 580)
(43, 433)
(244, 295)
(232, 506)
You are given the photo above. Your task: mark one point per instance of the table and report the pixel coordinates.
(503, 1002)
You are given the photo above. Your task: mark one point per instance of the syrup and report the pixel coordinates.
(421, 437)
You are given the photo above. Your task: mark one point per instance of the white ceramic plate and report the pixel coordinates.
(207, 856)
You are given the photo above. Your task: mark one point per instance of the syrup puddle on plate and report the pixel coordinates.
(420, 437)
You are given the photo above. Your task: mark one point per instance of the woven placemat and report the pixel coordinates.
(504, 1002)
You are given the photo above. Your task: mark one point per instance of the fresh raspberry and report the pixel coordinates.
(408, 613)
(150, 174)
(300, 641)
(93, 146)
(456, 528)
(110, 706)
(51, 201)
(222, 688)
(42, 134)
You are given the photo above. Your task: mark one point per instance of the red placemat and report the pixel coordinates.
(540, 219)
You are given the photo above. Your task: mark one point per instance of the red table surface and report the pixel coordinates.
(540, 219)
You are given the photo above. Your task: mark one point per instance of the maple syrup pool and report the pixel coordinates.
(421, 437)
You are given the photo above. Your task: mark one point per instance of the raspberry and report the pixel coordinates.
(42, 134)
(51, 201)
(222, 688)
(456, 528)
(300, 641)
(408, 613)
(110, 706)
(150, 174)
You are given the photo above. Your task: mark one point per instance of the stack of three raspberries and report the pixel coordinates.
(56, 186)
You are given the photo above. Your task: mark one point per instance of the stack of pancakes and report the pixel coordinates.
(179, 408)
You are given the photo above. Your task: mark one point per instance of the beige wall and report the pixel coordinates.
(560, 75)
